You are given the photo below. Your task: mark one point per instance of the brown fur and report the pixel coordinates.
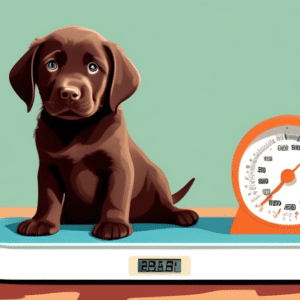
(91, 172)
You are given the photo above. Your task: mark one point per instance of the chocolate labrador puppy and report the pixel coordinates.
(90, 172)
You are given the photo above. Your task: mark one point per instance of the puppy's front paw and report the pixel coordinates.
(37, 227)
(186, 217)
(112, 231)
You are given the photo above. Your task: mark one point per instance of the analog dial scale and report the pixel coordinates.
(266, 178)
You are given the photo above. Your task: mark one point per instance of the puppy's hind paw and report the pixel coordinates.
(112, 231)
(186, 217)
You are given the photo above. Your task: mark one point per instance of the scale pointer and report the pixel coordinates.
(287, 176)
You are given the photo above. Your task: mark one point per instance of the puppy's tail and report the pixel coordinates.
(181, 193)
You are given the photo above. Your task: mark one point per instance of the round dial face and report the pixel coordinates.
(269, 175)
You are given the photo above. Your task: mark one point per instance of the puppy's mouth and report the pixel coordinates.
(69, 115)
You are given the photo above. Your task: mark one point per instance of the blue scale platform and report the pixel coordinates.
(207, 232)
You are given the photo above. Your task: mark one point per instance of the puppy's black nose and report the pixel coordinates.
(71, 93)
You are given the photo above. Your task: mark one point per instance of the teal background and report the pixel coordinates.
(210, 71)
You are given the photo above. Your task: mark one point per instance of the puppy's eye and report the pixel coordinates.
(93, 68)
(52, 65)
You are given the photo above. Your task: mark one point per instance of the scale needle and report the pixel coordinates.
(287, 176)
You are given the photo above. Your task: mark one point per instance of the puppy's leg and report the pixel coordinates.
(114, 221)
(164, 210)
(47, 218)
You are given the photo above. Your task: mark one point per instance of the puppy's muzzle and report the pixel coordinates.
(70, 93)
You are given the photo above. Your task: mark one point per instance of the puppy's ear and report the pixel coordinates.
(125, 77)
(21, 76)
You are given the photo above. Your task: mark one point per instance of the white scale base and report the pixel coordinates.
(207, 252)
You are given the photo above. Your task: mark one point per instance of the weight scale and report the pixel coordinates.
(255, 245)
(205, 251)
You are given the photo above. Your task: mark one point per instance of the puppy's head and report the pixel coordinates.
(76, 71)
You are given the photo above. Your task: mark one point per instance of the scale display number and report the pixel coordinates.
(159, 265)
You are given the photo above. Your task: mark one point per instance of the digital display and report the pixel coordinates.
(159, 265)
